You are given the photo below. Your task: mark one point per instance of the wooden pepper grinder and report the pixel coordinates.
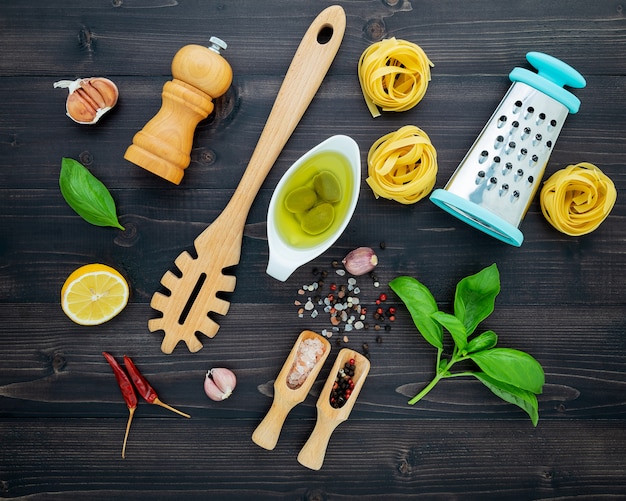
(163, 146)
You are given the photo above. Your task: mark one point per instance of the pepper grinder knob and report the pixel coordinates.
(163, 146)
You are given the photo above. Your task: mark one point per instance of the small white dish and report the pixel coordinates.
(289, 247)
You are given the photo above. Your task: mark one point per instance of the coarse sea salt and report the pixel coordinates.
(309, 352)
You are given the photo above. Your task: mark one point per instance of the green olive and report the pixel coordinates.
(300, 200)
(327, 187)
(318, 219)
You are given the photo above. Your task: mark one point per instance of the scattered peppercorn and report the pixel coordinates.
(366, 350)
(341, 300)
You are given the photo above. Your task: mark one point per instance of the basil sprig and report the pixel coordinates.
(87, 195)
(513, 375)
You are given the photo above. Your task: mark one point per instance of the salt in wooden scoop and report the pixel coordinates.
(291, 386)
(329, 417)
(198, 296)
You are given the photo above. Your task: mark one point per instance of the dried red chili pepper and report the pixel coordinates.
(127, 392)
(144, 388)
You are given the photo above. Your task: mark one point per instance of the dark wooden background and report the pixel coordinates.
(61, 415)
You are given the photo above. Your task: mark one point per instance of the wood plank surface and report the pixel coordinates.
(562, 300)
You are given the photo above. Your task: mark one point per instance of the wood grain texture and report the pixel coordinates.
(62, 417)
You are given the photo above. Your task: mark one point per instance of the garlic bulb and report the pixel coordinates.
(219, 383)
(89, 98)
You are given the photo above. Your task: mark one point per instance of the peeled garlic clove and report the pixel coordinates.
(89, 98)
(219, 383)
(360, 261)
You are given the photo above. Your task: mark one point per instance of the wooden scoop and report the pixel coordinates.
(267, 433)
(194, 296)
(328, 418)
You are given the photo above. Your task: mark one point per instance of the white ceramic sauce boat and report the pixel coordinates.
(285, 258)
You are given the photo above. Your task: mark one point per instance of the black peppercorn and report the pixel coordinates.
(342, 389)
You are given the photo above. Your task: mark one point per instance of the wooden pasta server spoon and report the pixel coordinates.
(186, 311)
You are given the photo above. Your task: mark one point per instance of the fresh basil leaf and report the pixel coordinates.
(454, 326)
(86, 194)
(511, 366)
(475, 297)
(484, 341)
(524, 399)
(421, 305)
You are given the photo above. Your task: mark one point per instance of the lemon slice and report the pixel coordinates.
(94, 294)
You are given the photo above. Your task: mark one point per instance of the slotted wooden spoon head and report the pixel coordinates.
(286, 398)
(328, 418)
(195, 297)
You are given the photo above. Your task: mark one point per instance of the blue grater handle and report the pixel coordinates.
(552, 75)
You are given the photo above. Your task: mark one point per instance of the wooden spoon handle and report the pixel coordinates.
(312, 453)
(267, 433)
(304, 77)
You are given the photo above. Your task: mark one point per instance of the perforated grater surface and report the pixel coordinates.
(493, 186)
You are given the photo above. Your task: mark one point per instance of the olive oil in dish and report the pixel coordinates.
(312, 204)
(303, 222)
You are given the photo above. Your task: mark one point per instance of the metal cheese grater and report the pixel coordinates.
(494, 184)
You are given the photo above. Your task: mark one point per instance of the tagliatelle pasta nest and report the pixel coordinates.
(575, 200)
(394, 75)
(402, 165)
